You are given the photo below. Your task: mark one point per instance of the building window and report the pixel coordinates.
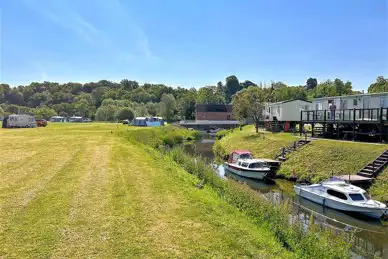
(355, 102)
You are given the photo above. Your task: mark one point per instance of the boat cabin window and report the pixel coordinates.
(256, 165)
(356, 196)
(366, 196)
(244, 164)
(337, 194)
(245, 156)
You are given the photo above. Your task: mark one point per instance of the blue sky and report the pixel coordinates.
(193, 42)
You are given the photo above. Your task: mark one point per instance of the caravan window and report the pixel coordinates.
(278, 109)
(355, 102)
(318, 106)
(384, 101)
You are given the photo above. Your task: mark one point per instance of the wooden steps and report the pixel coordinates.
(291, 148)
(374, 168)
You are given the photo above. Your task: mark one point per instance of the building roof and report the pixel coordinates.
(351, 96)
(287, 101)
(213, 107)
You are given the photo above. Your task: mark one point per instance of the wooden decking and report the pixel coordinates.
(354, 178)
(354, 124)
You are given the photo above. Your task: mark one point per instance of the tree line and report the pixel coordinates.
(108, 101)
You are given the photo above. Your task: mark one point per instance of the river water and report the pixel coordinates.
(370, 238)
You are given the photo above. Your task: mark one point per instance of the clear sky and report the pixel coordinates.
(193, 42)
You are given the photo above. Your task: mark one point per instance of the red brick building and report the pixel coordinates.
(213, 112)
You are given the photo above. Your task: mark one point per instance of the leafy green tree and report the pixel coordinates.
(2, 112)
(209, 95)
(250, 102)
(289, 93)
(14, 96)
(98, 94)
(247, 84)
(311, 83)
(232, 86)
(381, 85)
(44, 112)
(129, 85)
(106, 113)
(152, 108)
(167, 106)
(141, 111)
(186, 105)
(125, 114)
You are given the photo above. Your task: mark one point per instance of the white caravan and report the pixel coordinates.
(19, 121)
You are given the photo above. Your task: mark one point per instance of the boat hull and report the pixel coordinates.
(257, 174)
(330, 203)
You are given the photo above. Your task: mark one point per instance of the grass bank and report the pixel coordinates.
(274, 219)
(81, 190)
(316, 161)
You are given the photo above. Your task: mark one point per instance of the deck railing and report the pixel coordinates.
(346, 115)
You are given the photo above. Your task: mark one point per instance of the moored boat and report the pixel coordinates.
(242, 163)
(339, 195)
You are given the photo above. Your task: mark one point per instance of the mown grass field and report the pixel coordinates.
(80, 190)
(316, 161)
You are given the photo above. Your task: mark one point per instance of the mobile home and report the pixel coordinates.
(286, 110)
(19, 121)
(358, 101)
(57, 119)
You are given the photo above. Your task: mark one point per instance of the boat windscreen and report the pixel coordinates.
(366, 196)
(245, 156)
(356, 197)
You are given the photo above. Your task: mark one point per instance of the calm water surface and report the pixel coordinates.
(370, 236)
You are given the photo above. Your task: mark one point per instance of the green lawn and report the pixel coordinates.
(80, 190)
(315, 161)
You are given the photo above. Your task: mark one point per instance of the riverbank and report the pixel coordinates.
(81, 190)
(274, 218)
(313, 162)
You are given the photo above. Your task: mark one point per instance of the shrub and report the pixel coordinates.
(222, 133)
(125, 114)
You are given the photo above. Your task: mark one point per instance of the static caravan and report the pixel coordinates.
(19, 121)
(358, 101)
(57, 119)
(76, 119)
(284, 115)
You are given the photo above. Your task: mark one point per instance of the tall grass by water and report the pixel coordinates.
(314, 243)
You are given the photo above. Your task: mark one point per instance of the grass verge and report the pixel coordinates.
(275, 219)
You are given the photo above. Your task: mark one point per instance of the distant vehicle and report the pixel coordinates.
(213, 130)
(19, 121)
(41, 122)
(125, 121)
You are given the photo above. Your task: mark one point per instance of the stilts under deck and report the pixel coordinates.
(351, 124)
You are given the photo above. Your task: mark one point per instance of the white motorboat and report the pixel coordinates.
(242, 163)
(339, 195)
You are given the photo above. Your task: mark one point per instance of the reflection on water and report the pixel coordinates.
(370, 237)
